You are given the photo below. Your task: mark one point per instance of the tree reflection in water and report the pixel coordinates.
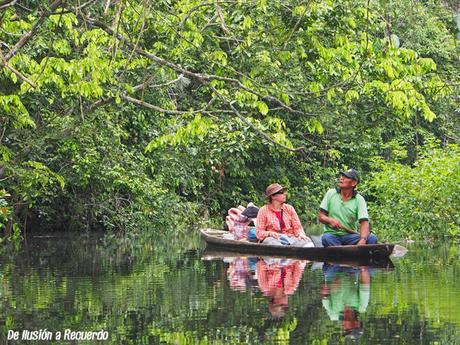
(156, 294)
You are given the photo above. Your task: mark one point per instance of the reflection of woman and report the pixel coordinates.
(278, 223)
(279, 279)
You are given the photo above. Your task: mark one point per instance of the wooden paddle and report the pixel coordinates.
(398, 250)
(350, 231)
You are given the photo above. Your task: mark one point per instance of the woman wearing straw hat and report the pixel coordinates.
(277, 222)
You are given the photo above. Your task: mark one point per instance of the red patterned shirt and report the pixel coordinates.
(274, 277)
(267, 221)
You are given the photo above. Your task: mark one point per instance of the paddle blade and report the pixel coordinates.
(399, 251)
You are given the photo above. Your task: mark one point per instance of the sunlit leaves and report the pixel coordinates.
(5, 153)
(427, 64)
(262, 106)
(217, 56)
(192, 132)
(14, 27)
(14, 111)
(66, 20)
(397, 99)
(62, 47)
(37, 180)
(314, 126)
(427, 113)
(247, 22)
(351, 95)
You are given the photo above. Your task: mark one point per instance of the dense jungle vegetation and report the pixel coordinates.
(134, 116)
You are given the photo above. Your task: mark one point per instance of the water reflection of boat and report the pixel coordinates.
(217, 254)
(368, 252)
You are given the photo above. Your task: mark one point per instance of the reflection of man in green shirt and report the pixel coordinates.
(346, 293)
(341, 210)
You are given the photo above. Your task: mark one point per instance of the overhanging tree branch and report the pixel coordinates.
(7, 3)
(200, 77)
(155, 86)
(161, 110)
(203, 79)
(3, 62)
(241, 85)
(221, 18)
(194, 8)
(149, 105)
(242, 118)
(26, 38)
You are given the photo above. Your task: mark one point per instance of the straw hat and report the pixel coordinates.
(273, 189)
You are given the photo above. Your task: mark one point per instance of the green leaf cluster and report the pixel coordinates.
(418, 202)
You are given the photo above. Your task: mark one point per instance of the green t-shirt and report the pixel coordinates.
(349, 213)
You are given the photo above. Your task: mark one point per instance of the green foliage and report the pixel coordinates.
(418, 202)
(422, 28)
(118, 115)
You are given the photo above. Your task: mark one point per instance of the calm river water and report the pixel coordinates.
(155, 293)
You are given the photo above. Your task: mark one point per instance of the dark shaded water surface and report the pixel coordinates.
(153, 292)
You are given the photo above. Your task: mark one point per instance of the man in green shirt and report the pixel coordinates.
(344, 212)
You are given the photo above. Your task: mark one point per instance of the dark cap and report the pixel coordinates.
(273, 189)
(251, 212)
(351, 173)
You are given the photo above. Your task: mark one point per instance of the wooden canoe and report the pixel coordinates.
(365, 254)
